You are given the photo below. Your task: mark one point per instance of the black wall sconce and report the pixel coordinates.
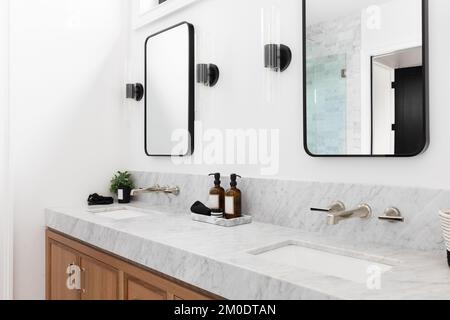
(208, 74)
(277, 57)
(135, 91)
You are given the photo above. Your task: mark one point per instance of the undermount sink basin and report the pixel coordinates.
(118, 213)
(345, 265)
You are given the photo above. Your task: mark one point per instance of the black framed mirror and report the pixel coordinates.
(169, 92)
(365, 78)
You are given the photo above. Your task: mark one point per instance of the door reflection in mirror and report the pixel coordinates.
(397, 105)
(365, 77)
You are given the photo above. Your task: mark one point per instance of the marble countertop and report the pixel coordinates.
(218, 259)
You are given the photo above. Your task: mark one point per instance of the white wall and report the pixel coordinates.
(395, 31)
(67, 76)
(6, 217)
(234, 35)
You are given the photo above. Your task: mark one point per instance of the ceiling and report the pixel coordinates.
(402, 59)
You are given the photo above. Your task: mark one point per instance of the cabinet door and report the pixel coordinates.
(61, 283)
(138, 290)
(99, 281)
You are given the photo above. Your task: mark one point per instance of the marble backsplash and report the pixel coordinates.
(288, 203)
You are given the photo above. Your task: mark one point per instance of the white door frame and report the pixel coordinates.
(6, 210)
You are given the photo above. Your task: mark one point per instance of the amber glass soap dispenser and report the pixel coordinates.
(216, 200)
(233, 199)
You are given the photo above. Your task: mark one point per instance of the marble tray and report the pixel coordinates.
(221, 221)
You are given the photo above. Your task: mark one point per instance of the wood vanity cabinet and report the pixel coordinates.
(77, 271)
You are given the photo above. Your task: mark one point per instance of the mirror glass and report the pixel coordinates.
(169, 94)
(365, 89)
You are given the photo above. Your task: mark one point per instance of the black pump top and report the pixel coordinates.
(216, 178)
(233, 178)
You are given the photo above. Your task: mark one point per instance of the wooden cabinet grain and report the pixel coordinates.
(60, 260)
(103, 276)
(138, 290)
(99, 281)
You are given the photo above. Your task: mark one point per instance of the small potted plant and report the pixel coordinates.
(122, 184)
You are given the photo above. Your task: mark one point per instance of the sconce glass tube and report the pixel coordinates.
(270, 43)
(207, 74)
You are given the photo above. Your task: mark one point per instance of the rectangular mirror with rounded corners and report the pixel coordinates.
(169, 92)
(365, 68)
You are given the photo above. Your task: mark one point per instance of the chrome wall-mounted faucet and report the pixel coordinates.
(337, 213)
(157, 189)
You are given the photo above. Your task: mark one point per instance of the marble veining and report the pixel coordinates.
(288, 203)
(219, 259)
(338, 110)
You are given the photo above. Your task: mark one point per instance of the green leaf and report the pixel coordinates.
(121, 180)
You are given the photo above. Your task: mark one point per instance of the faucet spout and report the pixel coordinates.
(364, 211)
(157, 189)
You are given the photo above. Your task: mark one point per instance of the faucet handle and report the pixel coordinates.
(392, 215)
(337, 206)
(173, 190)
